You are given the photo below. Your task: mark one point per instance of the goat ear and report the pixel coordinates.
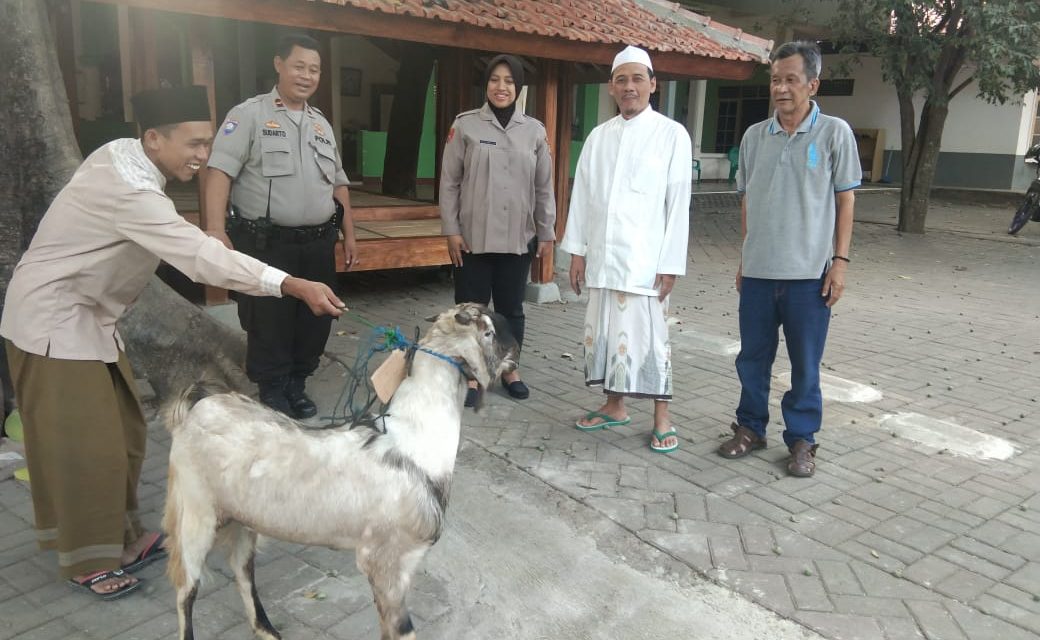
(463, 317)
(432, 318)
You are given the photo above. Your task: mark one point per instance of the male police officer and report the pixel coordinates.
(276, 156)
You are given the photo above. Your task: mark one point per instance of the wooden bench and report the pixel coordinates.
(391, 233)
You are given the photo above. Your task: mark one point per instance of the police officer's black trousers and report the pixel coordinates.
(498, 277)
(285, 339)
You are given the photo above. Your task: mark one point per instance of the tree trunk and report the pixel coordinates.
(38, 153)
(406, 122)
(173, 344)
(919, 167)
(169, 339)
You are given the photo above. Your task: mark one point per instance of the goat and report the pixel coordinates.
(239, 469)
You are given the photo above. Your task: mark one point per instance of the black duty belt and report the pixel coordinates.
(260, 228)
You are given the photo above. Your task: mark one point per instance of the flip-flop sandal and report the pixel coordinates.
(661, 437)
(607, 422)
(101, 576)
(151, 553)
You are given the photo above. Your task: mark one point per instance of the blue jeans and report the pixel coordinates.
(798, 307)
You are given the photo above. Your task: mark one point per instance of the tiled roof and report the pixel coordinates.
(655, 25)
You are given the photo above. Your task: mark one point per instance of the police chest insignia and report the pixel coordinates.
(451, 134)
(490, 142)
(318, 129)
(272, 124)
(230, 126)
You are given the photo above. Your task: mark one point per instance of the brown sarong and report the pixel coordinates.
(84, 443)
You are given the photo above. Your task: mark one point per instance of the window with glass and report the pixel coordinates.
(739, 107)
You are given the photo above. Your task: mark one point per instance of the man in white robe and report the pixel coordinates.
(627, 229)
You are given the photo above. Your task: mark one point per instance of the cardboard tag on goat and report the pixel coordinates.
(389, 375)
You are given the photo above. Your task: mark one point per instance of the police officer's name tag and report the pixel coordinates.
(389, 375)
(489, 142)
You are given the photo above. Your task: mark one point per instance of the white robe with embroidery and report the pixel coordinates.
(629, 212)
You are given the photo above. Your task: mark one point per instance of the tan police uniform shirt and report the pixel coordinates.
(497, 184)
(261, 148)
(95, 250)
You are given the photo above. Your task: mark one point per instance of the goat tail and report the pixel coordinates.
(177, 411)
(171, 525)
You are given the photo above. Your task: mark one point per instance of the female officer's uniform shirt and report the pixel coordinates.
(496, 183)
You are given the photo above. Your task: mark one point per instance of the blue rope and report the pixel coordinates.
(394, 339)
(349, 408)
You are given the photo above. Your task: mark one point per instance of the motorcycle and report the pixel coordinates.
(1030, 208)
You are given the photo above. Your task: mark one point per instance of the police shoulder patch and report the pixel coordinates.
(229, 126)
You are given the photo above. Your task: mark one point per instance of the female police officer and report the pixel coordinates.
(496, 200)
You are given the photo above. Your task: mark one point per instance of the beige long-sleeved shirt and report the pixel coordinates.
(496, 184)
(95, 249)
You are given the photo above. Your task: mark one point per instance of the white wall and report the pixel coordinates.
(973, 126)
(1025, 129)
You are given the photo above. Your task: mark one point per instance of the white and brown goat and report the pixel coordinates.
(239, 469)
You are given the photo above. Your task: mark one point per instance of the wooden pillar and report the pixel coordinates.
(553, 108)
(202, 61)
(562, 158)
(454, 77)
(202, 73)
(144, 62)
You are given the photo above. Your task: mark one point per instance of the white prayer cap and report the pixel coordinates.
(631, 54)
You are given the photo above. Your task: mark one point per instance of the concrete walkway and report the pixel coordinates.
(905, 532)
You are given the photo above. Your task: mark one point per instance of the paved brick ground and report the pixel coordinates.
(891, 540)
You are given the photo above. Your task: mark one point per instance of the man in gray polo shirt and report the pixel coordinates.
(797, 174)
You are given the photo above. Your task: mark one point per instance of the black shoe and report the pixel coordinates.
(300, 404)
(516, 389)
(471, 397)
(272, 394)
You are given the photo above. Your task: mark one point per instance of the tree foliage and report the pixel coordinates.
(935, 50)
(925, 46)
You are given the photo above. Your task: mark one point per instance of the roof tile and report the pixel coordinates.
(657, 25)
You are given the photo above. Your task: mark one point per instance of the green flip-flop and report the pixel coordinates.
(661, 437)
(607, 422)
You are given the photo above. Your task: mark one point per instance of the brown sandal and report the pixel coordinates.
(803, 459)
(743, 442)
